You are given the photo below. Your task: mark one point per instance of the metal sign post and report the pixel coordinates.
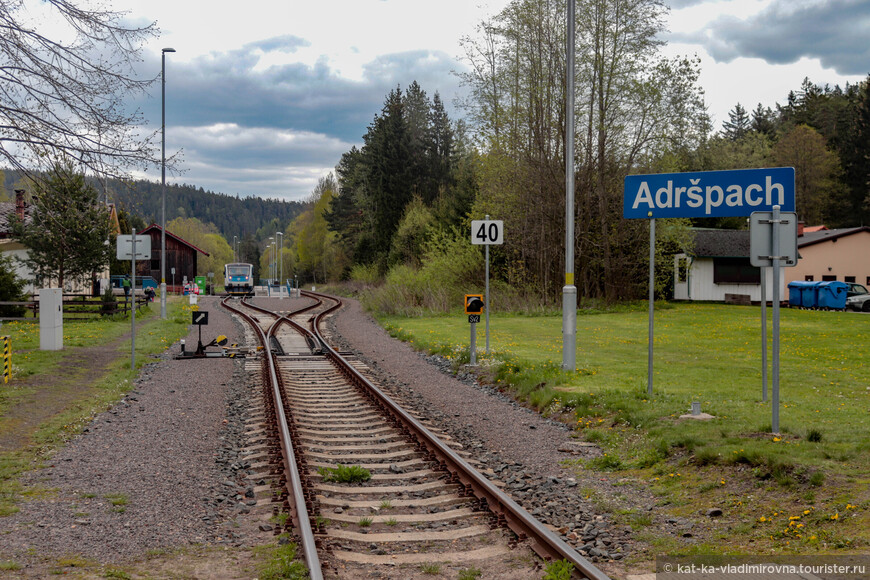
(773, 242)
(128, 249)
(487, 232)
(763, 335)
(473, 305)
(652, 298)
(133, 304)
(775, 257)
(569, 290)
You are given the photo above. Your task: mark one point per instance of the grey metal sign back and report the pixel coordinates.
(761, 239)
(773, 242)
(125, 247)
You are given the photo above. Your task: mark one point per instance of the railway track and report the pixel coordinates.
(322, 419)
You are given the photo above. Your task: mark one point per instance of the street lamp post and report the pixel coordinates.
(569, 291)
(269, 268)
(163, 184)
(280, 265)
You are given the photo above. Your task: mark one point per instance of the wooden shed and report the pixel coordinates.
(180, 254)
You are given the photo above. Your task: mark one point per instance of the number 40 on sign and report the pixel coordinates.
(487, 232)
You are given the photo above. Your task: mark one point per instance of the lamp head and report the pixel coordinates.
(165, 50)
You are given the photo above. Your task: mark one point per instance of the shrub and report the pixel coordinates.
(411, 234)
(606, 462)
(706, 456)
(365, 274)
(559, 570)
(345, 473)
(11, 289)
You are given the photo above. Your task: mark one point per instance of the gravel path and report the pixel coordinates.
(161, 469)
(143, 475)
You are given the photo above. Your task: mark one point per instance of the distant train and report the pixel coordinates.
(239, 279)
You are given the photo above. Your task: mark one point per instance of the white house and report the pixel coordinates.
(719, 265)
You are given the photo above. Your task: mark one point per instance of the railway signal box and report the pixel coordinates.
(473, 303)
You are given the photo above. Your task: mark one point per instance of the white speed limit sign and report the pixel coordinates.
(487, 232)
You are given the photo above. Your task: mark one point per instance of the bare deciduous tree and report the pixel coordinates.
(64, 96)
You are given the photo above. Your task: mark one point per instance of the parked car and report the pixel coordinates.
(857, 297)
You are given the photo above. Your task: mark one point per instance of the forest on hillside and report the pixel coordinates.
(230, 215)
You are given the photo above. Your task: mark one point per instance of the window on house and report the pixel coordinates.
(829, 278)
(849, 279)
(808, 278)
(155, 264)
(735, 271)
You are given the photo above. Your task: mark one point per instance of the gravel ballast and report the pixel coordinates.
(163, 468)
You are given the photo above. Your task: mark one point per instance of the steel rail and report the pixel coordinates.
(302, 520)
(543, 541)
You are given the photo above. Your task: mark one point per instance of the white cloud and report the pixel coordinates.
(265, 99)
(229, 158)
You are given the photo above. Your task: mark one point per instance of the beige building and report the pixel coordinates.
(827, 255)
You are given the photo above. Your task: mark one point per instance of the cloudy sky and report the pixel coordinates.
(264, 96)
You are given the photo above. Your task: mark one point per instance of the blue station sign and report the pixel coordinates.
(708, 193)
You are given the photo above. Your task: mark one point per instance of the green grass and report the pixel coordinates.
(9, 565)
(706, 353)
(703, 352)
(469, 573)
(431, 568)
(559, 570)
(345, 473)
(279, 562)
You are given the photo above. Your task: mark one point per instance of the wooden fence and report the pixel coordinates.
(79, 307)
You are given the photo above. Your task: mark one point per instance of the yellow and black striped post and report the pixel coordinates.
(7, 359)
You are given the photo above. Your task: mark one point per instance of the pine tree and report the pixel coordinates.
(738, 124)
(67, 234)
(416, 111)
(764, 121)
(441, 139)
(387, 154)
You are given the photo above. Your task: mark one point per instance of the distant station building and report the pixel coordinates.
(180, 254)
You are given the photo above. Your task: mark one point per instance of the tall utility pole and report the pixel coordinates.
(280, 264)
(569, 291)
(163, 184)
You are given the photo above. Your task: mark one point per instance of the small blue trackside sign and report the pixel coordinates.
(699, 194)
